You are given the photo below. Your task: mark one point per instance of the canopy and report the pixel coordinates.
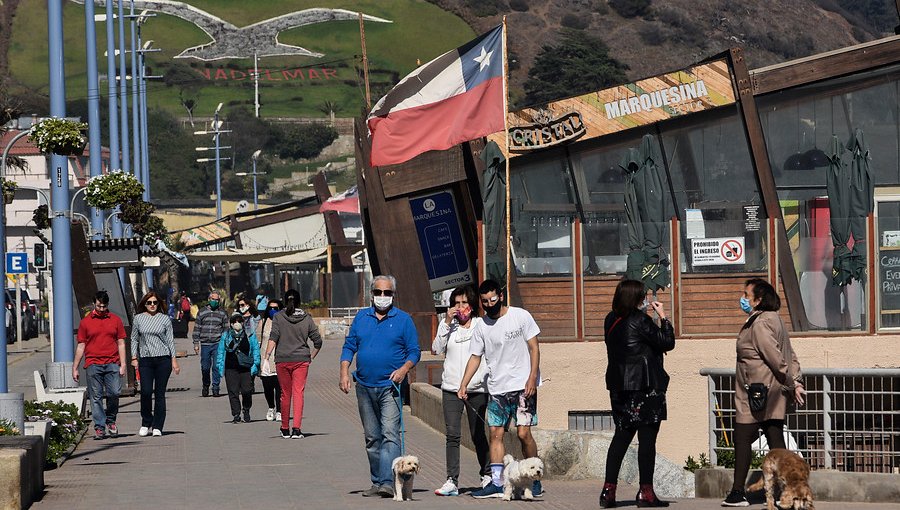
(493, 196)
(850, 200)
(645, 211)
(261, 256)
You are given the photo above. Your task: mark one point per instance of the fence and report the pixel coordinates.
(851, 420)
(349, 311)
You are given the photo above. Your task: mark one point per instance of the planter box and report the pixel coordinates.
(40, 428)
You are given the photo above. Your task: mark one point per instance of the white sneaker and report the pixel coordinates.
(157, 433)
(485, 480)
(277, 416)
(270, 414)
(448, 489)
(144, 432)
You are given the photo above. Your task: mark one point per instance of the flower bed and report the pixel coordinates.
(8, 428)
(65, 427)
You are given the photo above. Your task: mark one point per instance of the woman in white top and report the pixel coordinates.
(267, 374)
(452, 338)
(153, 355)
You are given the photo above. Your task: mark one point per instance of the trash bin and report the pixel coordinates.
(59, 375)
(12, 408)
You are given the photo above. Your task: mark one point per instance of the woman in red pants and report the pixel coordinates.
(292, 330)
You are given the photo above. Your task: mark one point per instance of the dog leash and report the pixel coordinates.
(402, 428)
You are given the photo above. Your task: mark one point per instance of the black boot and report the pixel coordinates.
(646, 498)
(608, 496)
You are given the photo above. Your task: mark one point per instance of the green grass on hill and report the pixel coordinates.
(419, 31)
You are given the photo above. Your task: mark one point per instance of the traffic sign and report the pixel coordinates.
(40, 256)
(17, 263)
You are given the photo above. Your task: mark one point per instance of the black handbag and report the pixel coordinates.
(243, 359)
(757, 394)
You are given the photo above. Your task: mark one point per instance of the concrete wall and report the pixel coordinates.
(573, 374)
(826, 485)
(21, 470)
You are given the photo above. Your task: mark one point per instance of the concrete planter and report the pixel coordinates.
(40, 428)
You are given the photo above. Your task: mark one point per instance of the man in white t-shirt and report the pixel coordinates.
(507, 338)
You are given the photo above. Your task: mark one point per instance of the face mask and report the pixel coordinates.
(237, 326)
(382, 303)
(213, 303)
(244, 309)
(464, 314)
(272, 312)
(745, 305)
(493, 310)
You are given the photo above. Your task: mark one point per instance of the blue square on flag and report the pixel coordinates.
(483, 60)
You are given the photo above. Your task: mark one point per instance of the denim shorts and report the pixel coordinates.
(513, 405)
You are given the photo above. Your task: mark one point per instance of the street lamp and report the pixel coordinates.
(216, 131)
(254, 157)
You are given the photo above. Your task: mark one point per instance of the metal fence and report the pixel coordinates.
(851, 420)
(342, 312)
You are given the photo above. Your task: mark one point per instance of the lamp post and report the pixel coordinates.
(216, 132)
(123, 101)
(93, 97)
(253, 158)
(142, 87)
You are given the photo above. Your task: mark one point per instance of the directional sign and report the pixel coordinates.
(440, 240)
(17, 263)
(717, 251)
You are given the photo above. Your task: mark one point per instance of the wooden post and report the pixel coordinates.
(675, 256)
(509, 268)
(759, 156)
(365, 61)
(482, 252)
(870, 281)
(579, 278)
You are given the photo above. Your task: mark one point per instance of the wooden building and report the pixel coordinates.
(742, 156)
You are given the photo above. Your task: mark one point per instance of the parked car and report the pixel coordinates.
(29, 314)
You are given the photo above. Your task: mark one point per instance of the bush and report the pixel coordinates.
(693, 465)
(483, 8)
(302, 141)
(8, 428)
(65, 426)
(651, 35)
(575, 21)
(519, 5)
(724, 457)
(630, 8)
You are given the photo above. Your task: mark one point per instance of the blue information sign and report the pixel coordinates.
(440, 240)
(17, 263)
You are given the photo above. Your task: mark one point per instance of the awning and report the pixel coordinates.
(211, 232)
(301, 257)
(261, 256)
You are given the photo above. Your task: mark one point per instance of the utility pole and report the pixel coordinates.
(93, 98)
(256, 82)
(114, 163)
(216, 131)
(123, 98)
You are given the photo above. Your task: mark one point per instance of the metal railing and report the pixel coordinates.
(348, 311)
(851, 420)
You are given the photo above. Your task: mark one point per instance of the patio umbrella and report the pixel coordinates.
(645, 210)
(850, 200)
(493, 196)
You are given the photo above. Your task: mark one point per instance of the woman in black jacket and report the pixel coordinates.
(637, 385)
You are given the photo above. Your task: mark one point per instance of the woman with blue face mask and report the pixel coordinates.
(267, 375)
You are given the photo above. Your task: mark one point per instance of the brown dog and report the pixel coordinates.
(788, 470)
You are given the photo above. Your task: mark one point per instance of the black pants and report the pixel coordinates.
(475, 410)
(272, 390)
(240, 389)
(744, 436)
(155, 372)
(646, 451)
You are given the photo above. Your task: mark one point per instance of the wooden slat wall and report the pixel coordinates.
(551, 301)
(598, 296)
(709, 304)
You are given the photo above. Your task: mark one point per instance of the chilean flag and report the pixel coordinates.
(454, 98)
(347, 202)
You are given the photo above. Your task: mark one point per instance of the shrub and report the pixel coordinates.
(136, 212)
(64, 425)
(693, 465)
(8, 428)
(483, 8)
(41, 217)
(519, 5)
(575, 21)
(651, 34)
(630, 8)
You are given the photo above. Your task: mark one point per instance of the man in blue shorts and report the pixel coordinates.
(507, 338)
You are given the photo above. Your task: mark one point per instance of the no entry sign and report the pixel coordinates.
(717, 251)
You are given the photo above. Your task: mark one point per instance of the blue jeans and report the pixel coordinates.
(379, 411)
(104, 381)
(155, 372)
(208, 354)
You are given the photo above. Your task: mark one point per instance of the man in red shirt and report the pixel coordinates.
(101, 341)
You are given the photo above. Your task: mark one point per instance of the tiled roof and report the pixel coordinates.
(23, 147)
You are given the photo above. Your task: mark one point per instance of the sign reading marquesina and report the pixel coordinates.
(440, 239)
(548, 132)
(717, 251)
(701, 87)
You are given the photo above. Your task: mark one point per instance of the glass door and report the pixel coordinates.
(887, 260)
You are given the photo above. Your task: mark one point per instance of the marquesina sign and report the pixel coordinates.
(294, 74)
(697, 88)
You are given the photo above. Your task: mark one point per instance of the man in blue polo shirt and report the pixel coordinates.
(384, 340)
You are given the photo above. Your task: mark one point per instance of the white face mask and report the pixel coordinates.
(382, 302)
(237, 326)
(244, 309)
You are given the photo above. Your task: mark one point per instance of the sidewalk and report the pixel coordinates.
(203, 461)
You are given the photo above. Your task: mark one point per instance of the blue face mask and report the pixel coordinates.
(745, 305)
(272, 312)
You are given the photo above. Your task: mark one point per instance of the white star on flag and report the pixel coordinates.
(484, 59)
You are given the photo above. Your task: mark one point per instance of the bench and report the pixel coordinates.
(76, 396)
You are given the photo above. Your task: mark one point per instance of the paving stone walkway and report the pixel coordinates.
(203, 461)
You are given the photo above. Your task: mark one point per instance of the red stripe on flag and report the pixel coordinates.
(347, 205)
(404, 134)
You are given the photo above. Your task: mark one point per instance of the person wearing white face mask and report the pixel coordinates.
(238, 362)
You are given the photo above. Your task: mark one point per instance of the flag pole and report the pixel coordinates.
(365, 62)
(506, 158)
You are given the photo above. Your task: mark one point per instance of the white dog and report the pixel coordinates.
(405, 469)
(518, 477)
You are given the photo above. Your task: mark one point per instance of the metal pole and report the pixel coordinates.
(18, 305)
(218, 174)
(256, 83)
(255, 195)
(145, 150)
(93, 93)
(135, 111)
(63, 345)
(114, 161)
(123, 97)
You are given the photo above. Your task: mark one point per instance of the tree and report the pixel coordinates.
(173, 171)
(577, 64)
(302, 141)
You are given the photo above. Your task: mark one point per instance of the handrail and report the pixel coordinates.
(840, 372)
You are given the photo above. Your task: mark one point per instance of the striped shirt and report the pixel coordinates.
(151, 335)
(209, 326)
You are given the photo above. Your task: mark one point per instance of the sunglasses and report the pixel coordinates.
(490, 300)
(378, 292)
(153, 303)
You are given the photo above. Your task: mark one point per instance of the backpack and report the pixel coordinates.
(185, 304)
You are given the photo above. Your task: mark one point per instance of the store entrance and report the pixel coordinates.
(887, 259)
